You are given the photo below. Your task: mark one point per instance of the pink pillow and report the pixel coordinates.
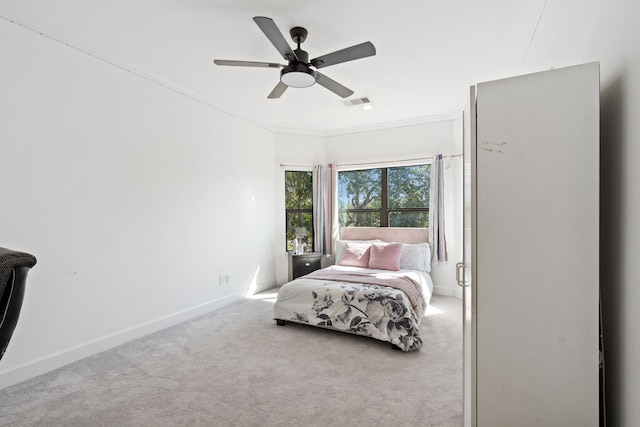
(385, 256)
(355, 255)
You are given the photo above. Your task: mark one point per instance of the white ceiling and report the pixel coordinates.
(428, 52)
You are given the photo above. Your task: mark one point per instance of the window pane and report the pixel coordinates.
(360, 189)
(298, 190)
(298, 194)
(359, 219)
(408, 187)
(409, 219)
(389, 197)
(300, 225)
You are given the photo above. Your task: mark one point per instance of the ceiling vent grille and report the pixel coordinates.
(356, 101)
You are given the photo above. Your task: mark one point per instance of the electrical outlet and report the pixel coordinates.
(227, 278)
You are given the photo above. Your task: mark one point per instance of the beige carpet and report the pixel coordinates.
(235, 367)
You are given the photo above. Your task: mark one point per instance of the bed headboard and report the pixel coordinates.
(386, 234)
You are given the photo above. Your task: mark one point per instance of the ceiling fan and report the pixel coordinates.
(300, 70)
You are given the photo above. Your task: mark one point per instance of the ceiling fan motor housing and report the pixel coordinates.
(298, 34)
(298, 73)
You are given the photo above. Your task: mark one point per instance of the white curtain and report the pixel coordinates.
(318, 208)
(323, 208)
(328, 209)
(436, 212)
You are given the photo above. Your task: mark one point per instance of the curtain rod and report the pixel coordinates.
(282, 165)
(422, 159)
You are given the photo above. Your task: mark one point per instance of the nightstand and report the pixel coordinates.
(302, 264)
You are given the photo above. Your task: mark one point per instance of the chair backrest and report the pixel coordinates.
(14, 267)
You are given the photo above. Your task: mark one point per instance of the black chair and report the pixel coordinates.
(14, 267)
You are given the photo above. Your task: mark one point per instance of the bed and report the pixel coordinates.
(379, 287)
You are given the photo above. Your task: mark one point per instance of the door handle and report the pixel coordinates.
(460, 270)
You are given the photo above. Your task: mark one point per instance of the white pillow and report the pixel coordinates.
(416, 256)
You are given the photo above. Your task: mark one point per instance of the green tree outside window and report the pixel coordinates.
(298, 189)
(384, 197)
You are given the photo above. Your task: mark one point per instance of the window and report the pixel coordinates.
(384, 197)
(298, 195)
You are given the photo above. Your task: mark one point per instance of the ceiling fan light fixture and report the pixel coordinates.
(298, 75)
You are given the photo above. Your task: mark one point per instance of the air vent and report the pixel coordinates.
(356, 101)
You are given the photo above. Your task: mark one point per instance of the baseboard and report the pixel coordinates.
(442, 290)
(58, 360)
(457, 292)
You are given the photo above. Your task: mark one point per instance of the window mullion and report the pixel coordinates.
(384, 212)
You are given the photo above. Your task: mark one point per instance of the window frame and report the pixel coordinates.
(384, 209)
(295, 211)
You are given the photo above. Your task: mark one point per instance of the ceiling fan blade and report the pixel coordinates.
(358, 51)
(277, 91)
(247, 63)
(274, 35)
(333, 85)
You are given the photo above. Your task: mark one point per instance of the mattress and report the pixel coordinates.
(386, 305)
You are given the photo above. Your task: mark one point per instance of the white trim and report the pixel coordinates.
(396, 124)
(57, 360)
(391, 163)
(297, 168)
(372, 127)
(384, 164)
(443, 290)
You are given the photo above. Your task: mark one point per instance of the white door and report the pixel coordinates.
(536, 239)
(464, 271)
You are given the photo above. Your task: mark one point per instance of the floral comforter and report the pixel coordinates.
(381, 312)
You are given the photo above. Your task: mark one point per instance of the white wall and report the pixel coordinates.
(134, 198)
(572, 32)
(415, 142)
